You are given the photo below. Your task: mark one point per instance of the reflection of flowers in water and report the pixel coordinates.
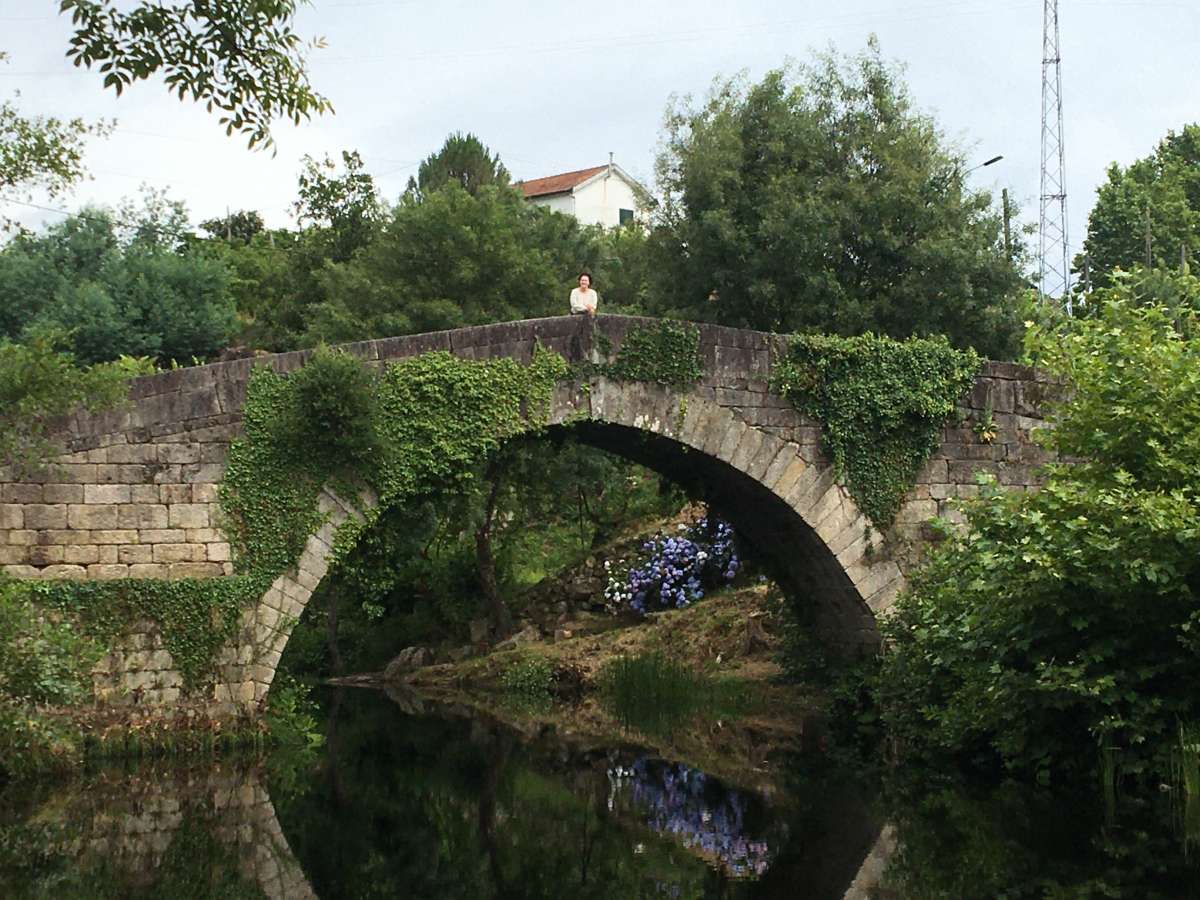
(695, 809)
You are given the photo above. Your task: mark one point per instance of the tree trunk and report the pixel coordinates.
(333, 747)
(497, 753)
(485, 561)
(331, 632)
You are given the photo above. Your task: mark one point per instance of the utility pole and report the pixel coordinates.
(1007, 224)
(1054, 269)
(1149, 242)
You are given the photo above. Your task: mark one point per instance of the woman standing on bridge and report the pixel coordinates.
(583, 299)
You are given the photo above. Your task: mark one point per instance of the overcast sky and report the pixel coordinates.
(555, 85)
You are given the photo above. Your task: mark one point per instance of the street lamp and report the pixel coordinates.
(1006, 210)
(994, 159)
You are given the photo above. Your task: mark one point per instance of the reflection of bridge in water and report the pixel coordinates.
(164, 829)
(120, 833)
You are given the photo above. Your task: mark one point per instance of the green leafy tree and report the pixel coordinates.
(463, 159)
(1156, 197)
(154, 221)
(624, 270)
(453, 259)
(111, 298)
(819, 199)
(40, 151)
(344, 208)
(427, 568)
(40, 382)
(1066, 621)
(278, 275)
(266, 283)
(243, 60)
(241, 226)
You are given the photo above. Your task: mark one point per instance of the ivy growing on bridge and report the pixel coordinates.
(417, 428)
(421, 426)
(881, 404)
(197, 616)
(665, 353)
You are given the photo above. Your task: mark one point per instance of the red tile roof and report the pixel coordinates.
(558, 184)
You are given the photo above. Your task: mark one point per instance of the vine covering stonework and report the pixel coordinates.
(417, 427)
(665, 353)
(429, 421)
(881, 403)
(196, 616)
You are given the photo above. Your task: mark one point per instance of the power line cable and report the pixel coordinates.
(108, 218)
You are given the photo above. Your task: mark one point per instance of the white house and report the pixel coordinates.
(602, 195)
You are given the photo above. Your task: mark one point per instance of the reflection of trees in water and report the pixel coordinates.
(426, 806)
(1022, 841)
(697, 810)
(416, 806)
(435, 800)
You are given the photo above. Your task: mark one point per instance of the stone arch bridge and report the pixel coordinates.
(135, 496)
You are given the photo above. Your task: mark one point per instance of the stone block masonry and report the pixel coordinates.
(136, 495)
(138, 670)
(130, 825)
(133, 504)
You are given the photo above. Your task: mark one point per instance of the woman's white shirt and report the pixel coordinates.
(583, 301)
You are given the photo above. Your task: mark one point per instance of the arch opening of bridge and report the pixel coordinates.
(786, 504)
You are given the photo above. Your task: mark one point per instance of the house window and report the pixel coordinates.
(626, 216)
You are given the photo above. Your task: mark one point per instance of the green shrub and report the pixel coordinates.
(197, 616)
(43, 658)
(39, 382)
(296, 737)
(529, 678)
(331, 411)
(1065, 620)
(32, 744)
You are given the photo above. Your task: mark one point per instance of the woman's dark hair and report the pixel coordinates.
(587, 273)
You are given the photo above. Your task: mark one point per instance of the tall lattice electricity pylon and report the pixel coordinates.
(1054, 271)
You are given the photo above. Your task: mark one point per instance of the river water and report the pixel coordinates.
(412, 798)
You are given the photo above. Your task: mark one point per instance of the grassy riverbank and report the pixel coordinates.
(56, 740)
(733, 633)
(714, 666)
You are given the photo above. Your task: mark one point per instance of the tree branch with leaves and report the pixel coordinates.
(241, 58)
